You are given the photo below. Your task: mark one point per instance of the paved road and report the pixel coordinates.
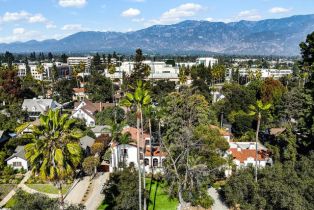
(95, 197)
(12, 192)
(218, 205)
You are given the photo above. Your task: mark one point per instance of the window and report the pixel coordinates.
(124, 152)
(17, 164)
(155, 162)
(146, 161)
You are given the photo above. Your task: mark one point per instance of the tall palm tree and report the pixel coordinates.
(75, 73)
(257, 111)
(40, 70)
(54, 153)
(139, 99)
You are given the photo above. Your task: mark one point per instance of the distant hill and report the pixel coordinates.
(265, 37)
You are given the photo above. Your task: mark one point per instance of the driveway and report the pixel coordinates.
(95, 196)
(218, 205)
(76, 194)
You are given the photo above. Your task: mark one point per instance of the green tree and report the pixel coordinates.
(108, 115)
(99, 88)
(41, 70)
(193, 147)
(138, 99)
(90, 165)
(55, 152)
(122, 189)
(140, 70)
(257, 111)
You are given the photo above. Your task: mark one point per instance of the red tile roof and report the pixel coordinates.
(243, 154)
(156, 152)
(133, 133)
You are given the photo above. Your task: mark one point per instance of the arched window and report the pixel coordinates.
(155, 162)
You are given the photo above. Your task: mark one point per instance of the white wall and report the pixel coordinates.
(18, 159)
(79, 114)
(130, 158)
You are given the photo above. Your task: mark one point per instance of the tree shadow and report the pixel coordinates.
(154, 203)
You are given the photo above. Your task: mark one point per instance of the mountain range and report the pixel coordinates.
(265, 37)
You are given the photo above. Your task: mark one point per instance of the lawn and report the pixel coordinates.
(159, 199)
(5, 189)
(48, 188)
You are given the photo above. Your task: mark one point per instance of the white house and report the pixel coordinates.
(17, 160)
(244, 155)
(37, 106)
(127, 153)
(86, 111)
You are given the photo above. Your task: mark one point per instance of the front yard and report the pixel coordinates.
(48, 188)
(5, 189)
(158, 198)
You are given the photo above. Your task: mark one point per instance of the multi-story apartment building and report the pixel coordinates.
(87, 61)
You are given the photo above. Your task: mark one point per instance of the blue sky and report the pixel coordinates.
(22, 20)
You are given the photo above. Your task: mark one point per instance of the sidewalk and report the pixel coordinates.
(12, 192)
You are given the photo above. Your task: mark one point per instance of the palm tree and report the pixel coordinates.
(139, 99)
(75, 73)
(54, 153)
(257, 111)
(182, 75)
(40, 70)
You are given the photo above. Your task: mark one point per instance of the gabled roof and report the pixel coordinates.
(91, 107)
(86, 141)
(19, 152)
(39, 105)
(100, 128)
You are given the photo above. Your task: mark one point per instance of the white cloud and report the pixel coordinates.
(72, 3)
(131, 12)
(248, 15)
(26, 16)
(20, 34)
(72, 27)
(279, 10)
(15, 16)
(38, 18)
(138, 0)
(18, 31)
(176, 14)
(210, 19)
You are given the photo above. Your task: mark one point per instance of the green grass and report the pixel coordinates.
(5, 189)
(159, 198)
(103, 206)
(48, 188)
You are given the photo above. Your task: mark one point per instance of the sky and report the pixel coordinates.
(23, 20)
